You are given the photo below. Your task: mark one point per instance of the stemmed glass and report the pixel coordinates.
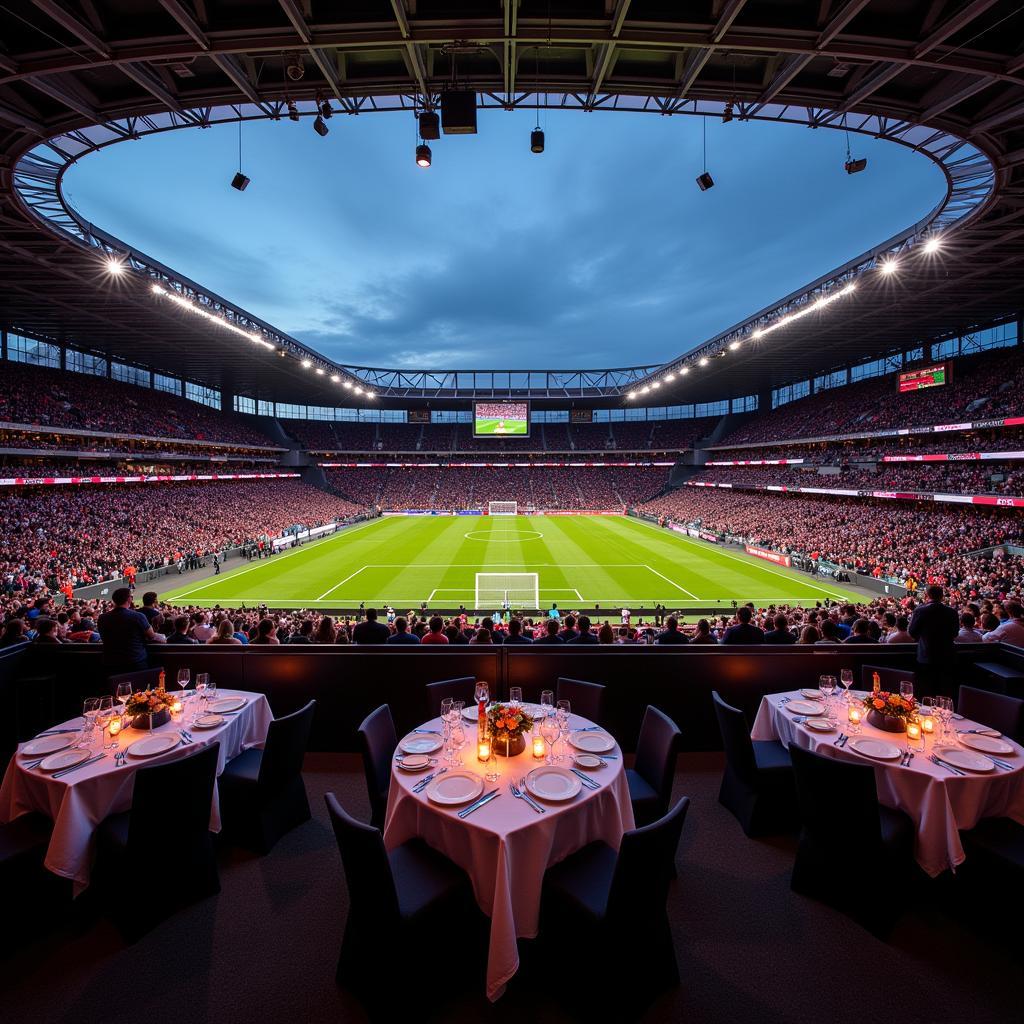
(562, 720)
(202, 679)
(945, 706)
(481, 693)
(827, 685)
(90, 708)
(906, 688)
(547, 701)
(458, 741)
(846, 678)
(184, 676)
(123, 692)
(515, 695)
(549, 730)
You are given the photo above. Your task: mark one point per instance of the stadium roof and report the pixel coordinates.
(946, 78)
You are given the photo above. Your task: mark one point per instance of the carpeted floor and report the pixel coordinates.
(748, 948)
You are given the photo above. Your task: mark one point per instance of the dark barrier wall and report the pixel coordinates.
(349, 682)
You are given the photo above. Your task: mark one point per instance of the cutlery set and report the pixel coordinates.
(427, 779)
(841, 740)
(477, 804)
(519, 792)
(906, 758)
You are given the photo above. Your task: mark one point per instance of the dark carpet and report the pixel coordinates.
(749, 949)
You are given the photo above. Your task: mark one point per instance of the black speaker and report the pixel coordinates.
(430, 127)
(458, 113)
(705, 181)
(240, 181)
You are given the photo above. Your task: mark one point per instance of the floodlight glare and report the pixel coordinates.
(114, 266)
(933, 245)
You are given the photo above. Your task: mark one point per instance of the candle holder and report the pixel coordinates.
(483, 751)
(915, 736)
(538, 747)
(855, 716)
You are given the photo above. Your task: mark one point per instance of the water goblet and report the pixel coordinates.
(123, 692)
(547, 700)
(846, 678)
(827, 686)
(184, 677)
(562, 719)
(481, 692)
(458, 739)
(906, 688)
(549, 730)
(90, 708)
(103, 716)
(515, 695)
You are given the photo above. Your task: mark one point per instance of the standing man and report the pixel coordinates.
(934, 625)
(125, 633)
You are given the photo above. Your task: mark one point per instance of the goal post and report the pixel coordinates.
(503, 508)
(499, 590)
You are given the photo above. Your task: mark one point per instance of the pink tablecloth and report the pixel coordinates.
(505, 847)
(939, 802)
(79, 801)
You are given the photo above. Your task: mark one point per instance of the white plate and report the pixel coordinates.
(470, 713)
(421, 743)
(877, 748)
(592, 742)
(65, 759)
(453, 788)
(228, 704)
(965, 759)
(588, 761)
(804, 707)
(811, 694)
(819, 724)
(49, 744)
(986, 744)
(553, 783)
(153, 745)
(209, 721)
(413, 762)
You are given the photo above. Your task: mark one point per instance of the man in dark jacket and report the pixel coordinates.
(934, 625)
(402, 634)
(780, 634)
(672, 635)
(552, 636)
(744, 632)
(515, 633)
(584, 636)
(370, 631)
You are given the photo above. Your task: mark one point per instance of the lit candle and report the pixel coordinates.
(855, 715)
(483, 751)
(927, 725)
(913, 731)
(114, 728)
(538, 746)
(176, 707)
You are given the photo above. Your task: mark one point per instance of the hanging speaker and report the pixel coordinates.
(458, 113)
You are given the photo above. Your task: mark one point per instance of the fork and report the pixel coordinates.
(520, 794)
(422, 784)
(839, 740)
(942, 764)
(74, 768)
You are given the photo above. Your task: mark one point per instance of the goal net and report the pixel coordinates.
(498, 590)
(502, 508)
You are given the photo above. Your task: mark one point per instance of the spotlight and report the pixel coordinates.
(670, 377)
(887, 266)
(656, 384)
(320, 370)
(632, 394)
(705, 181)
(296, 70)
(856, 166)
(683, 371)
(370, 394)
(727, 113)
(347, 384)
(704, 361)
(293, 112)
(733, 345)
(114, 266)
(240, 182)
(306, 364)
(320, 126)
(430, 125)
(423, 155)
(537, 141)
(359, 391)
(325, 110)
(335, 378)
(933, 245)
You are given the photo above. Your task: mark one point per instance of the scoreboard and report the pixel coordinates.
(928, 377)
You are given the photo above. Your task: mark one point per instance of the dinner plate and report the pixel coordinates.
(592, 742)
(819, 724)
(65, 759)
(588, 761)
(421, 743)
(208, 721)
(453, 788)
(153, 745)
(470, 713)
(811, 694)
(804, 707)
(553, 783)
(877, 748)
(986, 744)
(225, 704)
(413, 762)
(965, 759)
(49, 745)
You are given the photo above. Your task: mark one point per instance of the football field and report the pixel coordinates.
(580, 561)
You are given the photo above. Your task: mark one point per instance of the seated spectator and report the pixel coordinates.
(483, 636)
(551, 635)
(744, 632)
(488, 624)
(46, 631)
(605, 635)
(568, 631)
(240, 633)
(402, 634)
(703, 634)
(515, 633)
(304, 635)
(201, 629)
(583, 634)
(435, 632)
(1012, 630)
(672, 634)
(455, 635)
(861, 633)
(781, 633)
(85, 633)
(370, 631)
(900, 635)
(625, 636)
(14, 633)
(325, 632)
(968, 634)
(829, 630)
(225, 634)
(809, 635)
(180, 633)
(149, 608)
(266, 633)
(341, 636)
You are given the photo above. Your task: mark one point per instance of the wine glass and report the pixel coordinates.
(515, 695)
(446, 710)
(547, 701)
(458, 741)
(827, 686)
(945, 705)
(184, 675)
(906, 688)
(90, 708)
(123, 692)
(211, 690)
(549, 730)
(846, 678)
(562, 720)
(202, 678)
(104, 713)
(481, 692)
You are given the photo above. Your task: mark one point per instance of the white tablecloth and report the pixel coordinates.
(506, 846)
(79, 801)
(939, 802)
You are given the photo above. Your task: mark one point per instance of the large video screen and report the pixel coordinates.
(929, 377)
(501, 419)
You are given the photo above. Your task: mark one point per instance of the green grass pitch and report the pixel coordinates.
(512, 427)
(580, 561)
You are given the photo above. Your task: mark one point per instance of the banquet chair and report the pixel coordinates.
(618, 900)
(262, 795)
(654, 768)
(995, 710)
(842, 822)
(167, 829)
(144, 679)
(399, 901)
(585, 699)
(757, 783)
(458, 689)
(378, 740)
(24, 882)
(993, 870)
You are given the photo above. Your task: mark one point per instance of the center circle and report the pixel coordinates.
(516, 535)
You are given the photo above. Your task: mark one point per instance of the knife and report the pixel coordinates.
(74, 768)
(486, 798)
(587, 781)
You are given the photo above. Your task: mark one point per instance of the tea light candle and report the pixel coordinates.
(483, 752)
(913, 731)
(176, 707)
(927, 725)
(114, 728)
(538, 746)
(855, 715)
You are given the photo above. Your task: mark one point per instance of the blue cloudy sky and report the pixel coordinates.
(600, 252)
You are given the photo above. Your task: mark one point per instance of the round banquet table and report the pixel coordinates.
(506, 846)
(939, 802)
(76, 803)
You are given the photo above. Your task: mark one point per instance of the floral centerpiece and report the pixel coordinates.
(506, 724)
(149, 709)
(890, 711)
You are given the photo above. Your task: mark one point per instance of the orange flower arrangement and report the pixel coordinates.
(505, 721)
(148, 702)
(894, 705)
